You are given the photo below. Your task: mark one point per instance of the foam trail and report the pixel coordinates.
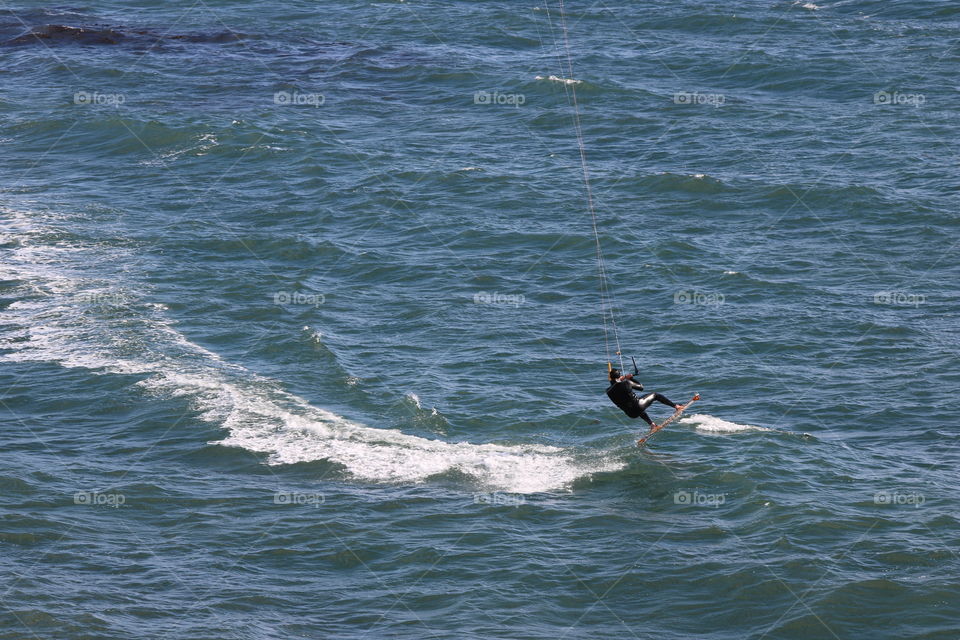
(67, 316)
(712, 424)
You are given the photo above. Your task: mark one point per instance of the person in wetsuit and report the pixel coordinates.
(621, 392)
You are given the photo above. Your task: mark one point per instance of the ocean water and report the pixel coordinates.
(300, 332)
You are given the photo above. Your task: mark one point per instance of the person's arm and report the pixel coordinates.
(636, 386)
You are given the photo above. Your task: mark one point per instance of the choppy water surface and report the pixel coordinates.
(301, 338)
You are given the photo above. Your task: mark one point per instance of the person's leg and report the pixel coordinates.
(646, 400)
(642, 403)
(659, 397)
(643, 414)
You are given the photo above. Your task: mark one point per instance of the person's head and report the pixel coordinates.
(614, 374)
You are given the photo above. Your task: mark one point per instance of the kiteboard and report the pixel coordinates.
(676, 414)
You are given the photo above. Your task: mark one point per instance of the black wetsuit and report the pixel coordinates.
(622, 395)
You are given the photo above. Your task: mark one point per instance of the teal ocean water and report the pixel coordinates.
(300, 332)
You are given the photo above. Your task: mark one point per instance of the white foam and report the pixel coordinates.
(203, 144)
(415, 399)
(559, 79)
(289, 430)
(706, 422)
(315, 335)
(59, 319)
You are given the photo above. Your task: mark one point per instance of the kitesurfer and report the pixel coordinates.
(621, 392)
